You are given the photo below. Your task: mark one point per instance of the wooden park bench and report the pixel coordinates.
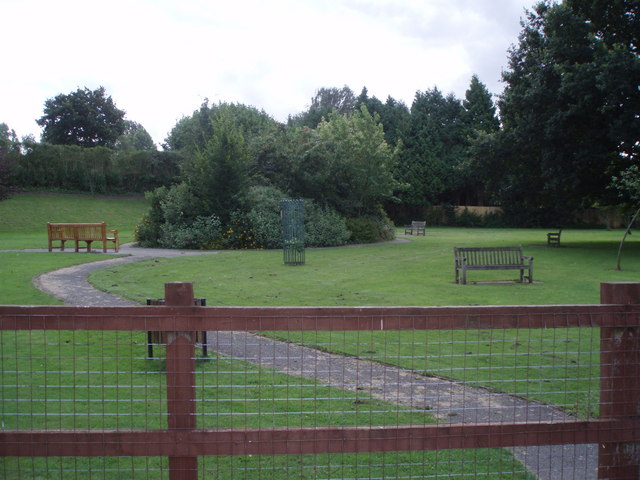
(82, 232)
(418, 227)
(553, 238)
(491, 258)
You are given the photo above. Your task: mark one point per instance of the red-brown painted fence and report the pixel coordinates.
(616, 431)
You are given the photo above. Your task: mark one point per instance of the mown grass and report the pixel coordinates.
(98, 380)
(417, 272)
(558, 367)
(24, 217)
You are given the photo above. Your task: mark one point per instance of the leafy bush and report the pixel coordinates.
(174, 221)
(203, 233)
(263, 206)
(239, 233)
(179, 205)
(147, 232)
(324, 227)
(370, 229)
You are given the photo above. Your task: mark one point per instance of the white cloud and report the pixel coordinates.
(160, 59)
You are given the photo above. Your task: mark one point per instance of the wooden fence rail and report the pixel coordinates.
(616, 431)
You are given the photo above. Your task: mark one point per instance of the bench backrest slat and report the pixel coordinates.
(490, 255)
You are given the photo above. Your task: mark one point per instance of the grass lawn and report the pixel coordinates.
(24, 217)
(103, 380)
(558, 367)
(113, 381)
(417, 272)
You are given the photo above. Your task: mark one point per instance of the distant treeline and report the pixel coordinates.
(97, 170)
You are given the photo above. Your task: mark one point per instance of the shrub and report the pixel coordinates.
(263, 206)
(324, 227)
(203, 233)
(239, 234)
(370, 229)
(147, 232)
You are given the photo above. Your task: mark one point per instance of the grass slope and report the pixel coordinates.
(24, 217)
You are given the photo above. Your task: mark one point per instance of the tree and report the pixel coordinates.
(481, 121)
(394, 115)
(218, 176)
(479, 110)
(615, 22)
(360, 162)
(9, 155)
(569, 117)
(326, 100)
(135, 138)
(434, 149)
(628, 185)
(87, 118)
(191, 134)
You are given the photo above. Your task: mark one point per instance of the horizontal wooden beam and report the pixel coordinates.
(163, 318)
(311, 440)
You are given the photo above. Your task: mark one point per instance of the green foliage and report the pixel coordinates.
(144, 170)
(394, 115)
(135, 138)
(94, 170)
(239, 233)
(345, 163)
(86, 118)
(324, 227)
(219, 176)
(9, 155)
(191, 134)
(325, 102)
(569, 113)
(435, 149)
(148, 230)
(370, 229)
(66, 167)
(202, 233)
(171, 216)
(479, 110)
(262, 204)
(470, 219)
(358, 162)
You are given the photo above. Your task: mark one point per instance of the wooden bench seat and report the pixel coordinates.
(491, 258)
(553, 238)
(82, 232)
(418, 227)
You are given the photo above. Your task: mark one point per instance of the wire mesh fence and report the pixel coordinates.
(393, 393)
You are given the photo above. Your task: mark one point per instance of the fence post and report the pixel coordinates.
(181, 378)
(619, 383)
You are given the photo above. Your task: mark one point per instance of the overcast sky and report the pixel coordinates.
(159, 59)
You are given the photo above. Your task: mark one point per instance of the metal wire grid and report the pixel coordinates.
(103, 380)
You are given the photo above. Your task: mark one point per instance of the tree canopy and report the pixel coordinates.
(87, 118)
(569, 115)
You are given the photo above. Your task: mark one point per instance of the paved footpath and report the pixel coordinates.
(451, 402)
